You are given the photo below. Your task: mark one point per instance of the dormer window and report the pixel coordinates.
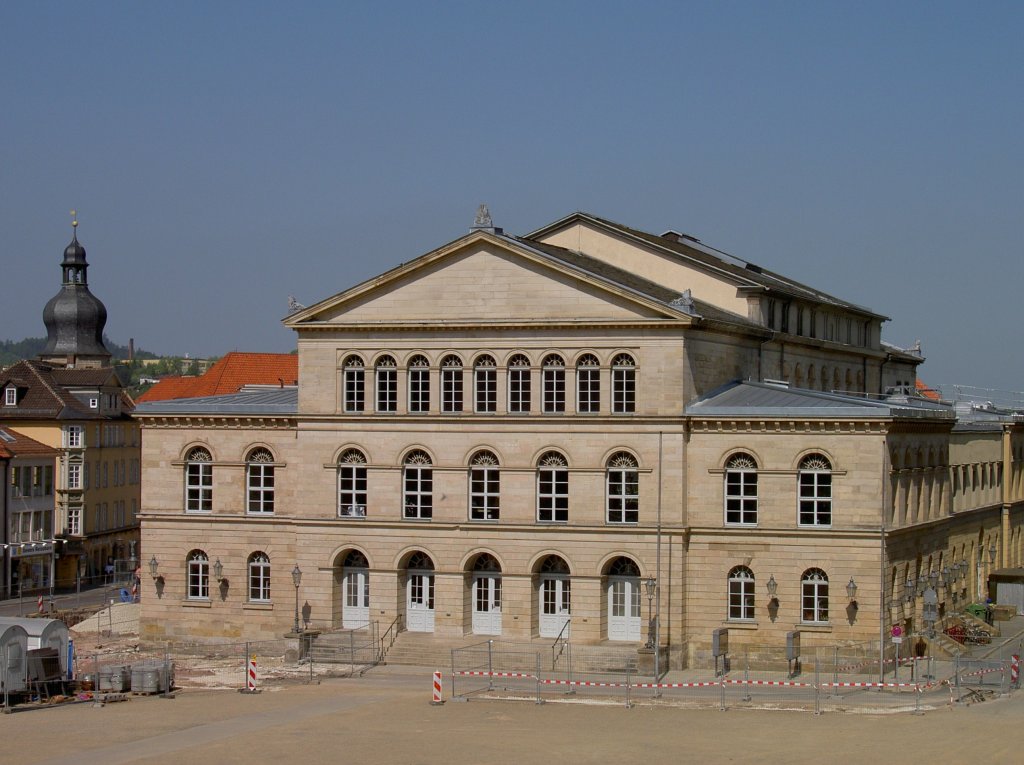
(94, 403)
(11, 396)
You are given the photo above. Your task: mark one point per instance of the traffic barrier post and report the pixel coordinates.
(437, 698)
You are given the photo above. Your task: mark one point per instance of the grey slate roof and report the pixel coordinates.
(751, 399)
(275, 402)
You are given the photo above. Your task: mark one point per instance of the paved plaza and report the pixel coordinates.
(386, 717)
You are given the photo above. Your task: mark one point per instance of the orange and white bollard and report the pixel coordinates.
(437, 700)
(1014, 671)
(39, 604)
(250, 678)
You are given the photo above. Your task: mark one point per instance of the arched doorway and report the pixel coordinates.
(355, 591)
(623, 600)
(419, 593)
(554, 600)
(486, 595)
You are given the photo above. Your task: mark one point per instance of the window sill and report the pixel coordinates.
(417, 520)
(736, 624)
(347, 517)
(813, 626)
(484, 520)
(257, 606)
(199, 512)
(814, 525)
(259, 515)
(622, 523)
(197, 603)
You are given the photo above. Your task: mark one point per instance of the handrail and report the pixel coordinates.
(390, 635)
(560, 643)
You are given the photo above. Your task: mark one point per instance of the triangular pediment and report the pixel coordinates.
(490, 278)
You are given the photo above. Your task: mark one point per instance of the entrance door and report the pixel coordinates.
(356, 594)
(554, 606)
(419, 606)
(487, 604)
(623, 609)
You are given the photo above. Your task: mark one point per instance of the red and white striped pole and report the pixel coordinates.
(39, 603)
(250, 677)
(1014, 670)
(437, 700)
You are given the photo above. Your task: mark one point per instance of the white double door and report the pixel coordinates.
(554, 606)
(419, 601)
(487, 604)
(355, 613)
(623, 608)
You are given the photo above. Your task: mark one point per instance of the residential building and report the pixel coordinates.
(71, 399)
(508, 433)
(26, 513)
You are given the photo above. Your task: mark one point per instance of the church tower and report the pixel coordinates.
(74, 317)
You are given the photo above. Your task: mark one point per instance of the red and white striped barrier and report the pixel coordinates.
(875, 685)
(981, 672)
(1014, 669)
(474, 673)
(701, 684)
(250, 675)
(783, 683)
(436, 699)
(584, 684)
(39, 604)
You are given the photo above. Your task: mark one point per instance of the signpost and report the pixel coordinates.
(897, 638)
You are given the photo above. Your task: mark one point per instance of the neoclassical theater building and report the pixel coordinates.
(588, 424)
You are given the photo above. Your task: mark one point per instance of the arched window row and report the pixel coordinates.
(198, 571)
(813, 490)
(479, 372)
(260, 470)
(742, 598)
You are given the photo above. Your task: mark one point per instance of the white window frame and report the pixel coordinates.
(354, 385)
(259, 578)
(452, 399)
(553, 384)
(259, 482)
(74, 436)
(74, 476)
(814, 492)
(814, 596)
(352, 484)
(485, 385)
(419, 385)
(519, 385)
(418, 487)
(484, 487)
(552, 488)
(75, 521)
(588, 384)
(741, 605)
(386, 385)
(198, 576)
(623, 384)
(623, 489)
(740, 488)
(199, 481)
(10, 396)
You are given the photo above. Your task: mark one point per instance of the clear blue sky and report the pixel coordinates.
(223, 156)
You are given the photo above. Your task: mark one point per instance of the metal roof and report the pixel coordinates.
(279, 401)
(746, 399)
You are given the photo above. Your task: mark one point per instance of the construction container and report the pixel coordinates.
(153, 676)
(43, 633)
(115, 678)
(13, 664)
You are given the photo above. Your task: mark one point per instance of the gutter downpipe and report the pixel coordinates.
(882, 612)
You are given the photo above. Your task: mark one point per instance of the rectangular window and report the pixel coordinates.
(623, 390)
(484, 500)
(451, 389)
(75, 521)
(199, 487)
(355, 392)
(73, 437)
(553, 495)
(519, 390)
(486, 384)
(352, 490)
(554, 389)
(623, 496)
(198, 579)
(419, 389)
(11, 396)
(741, 497)
(815, 498)
(74, 477)
(419, 483)
(588, 389)
(387, 389)
(261, 488)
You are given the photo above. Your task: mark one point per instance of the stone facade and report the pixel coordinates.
(424, 470)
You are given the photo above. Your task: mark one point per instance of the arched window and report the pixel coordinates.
(623, 384)
(588, 384)
(198, 481)
(354, 384)
(623, 480)
(814, 596)
(741, 490)
(519, 384)
(484, 487)
(386, 381)
(418, 486)
(485, 384)
(259, 470)
(198, 576)
(815, 487)
(451, 384)
(553, 379)
(419, 384)
(259, 578)
(741, 593)
(352, 484)
(552, 488)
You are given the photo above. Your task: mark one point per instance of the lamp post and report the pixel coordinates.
(296, 580)
(773, 587)
(218, 571)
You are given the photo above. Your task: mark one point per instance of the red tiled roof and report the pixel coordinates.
(228, 375)
(924, 390)
(14, 444)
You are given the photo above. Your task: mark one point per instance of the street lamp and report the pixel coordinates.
(218, 571)
(773, 587)
(851, 590)
(153, 564)
(650, 586)
(296, 580)
(908, 590)
(992, 553)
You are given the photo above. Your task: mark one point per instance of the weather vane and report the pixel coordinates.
(74, 219)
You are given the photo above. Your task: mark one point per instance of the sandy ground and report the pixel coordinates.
(386, 717)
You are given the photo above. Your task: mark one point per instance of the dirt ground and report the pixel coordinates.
(386, 717)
